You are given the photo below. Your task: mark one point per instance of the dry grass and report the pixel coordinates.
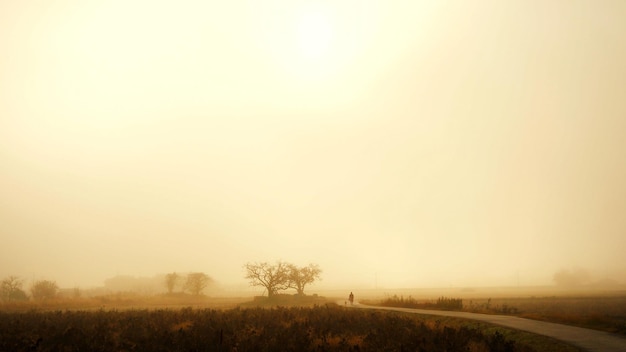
(124, 301)
(285, 301)
(321, 328)
(605, 312)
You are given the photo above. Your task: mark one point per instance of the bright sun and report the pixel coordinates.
(301, 39)
(311, 41)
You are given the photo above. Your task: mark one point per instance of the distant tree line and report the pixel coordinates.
(281, 276)
(273, 277)
(194, 283)
(11, 289)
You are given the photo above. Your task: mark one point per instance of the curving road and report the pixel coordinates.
(587, 339)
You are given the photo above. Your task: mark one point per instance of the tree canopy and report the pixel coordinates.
(300, 277)
(197, 282)
(281, 276)
(44, 289)
(11, 289)
(171, 280)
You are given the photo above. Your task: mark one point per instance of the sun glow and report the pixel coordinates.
(310, 51)
(313, 43)
(314, 35)
(301, 39)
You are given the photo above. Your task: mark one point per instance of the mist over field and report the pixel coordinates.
(394, 144)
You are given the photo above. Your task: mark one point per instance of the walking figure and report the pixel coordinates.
(351, 298)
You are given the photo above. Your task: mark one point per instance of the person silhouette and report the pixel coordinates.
(351, 298)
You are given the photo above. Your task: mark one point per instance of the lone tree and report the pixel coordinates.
(196, 282)
(44, 289)
(11, 289)
(300, 277)
(171, 280)
(273, 277)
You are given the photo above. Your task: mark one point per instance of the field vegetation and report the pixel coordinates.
(327, 327)
(443, 303)
(124, 301)
(606, 313)
(185, 319)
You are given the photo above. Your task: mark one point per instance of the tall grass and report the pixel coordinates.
(442, 303)
(320, 328)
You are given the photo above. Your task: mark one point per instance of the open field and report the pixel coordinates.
(125, 302)
(327, 327)
(600, 310)
(606, 311)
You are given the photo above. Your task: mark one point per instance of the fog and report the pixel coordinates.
(395, 144)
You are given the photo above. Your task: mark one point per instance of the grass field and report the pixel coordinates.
(600, 311)
(606, 313)
(327, 327)
(125, 302)
(185, 322)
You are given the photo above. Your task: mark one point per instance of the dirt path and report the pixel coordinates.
(587, 339)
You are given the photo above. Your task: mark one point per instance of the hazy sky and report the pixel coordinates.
(416, 143)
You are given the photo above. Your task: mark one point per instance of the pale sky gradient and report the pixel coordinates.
(415, 143)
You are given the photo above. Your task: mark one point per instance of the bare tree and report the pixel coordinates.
(196, 282)
(171, 280)
(300, 277)
(11, 289)
(273, 277)
(44, 289)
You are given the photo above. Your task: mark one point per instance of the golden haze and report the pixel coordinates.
(396, 144)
